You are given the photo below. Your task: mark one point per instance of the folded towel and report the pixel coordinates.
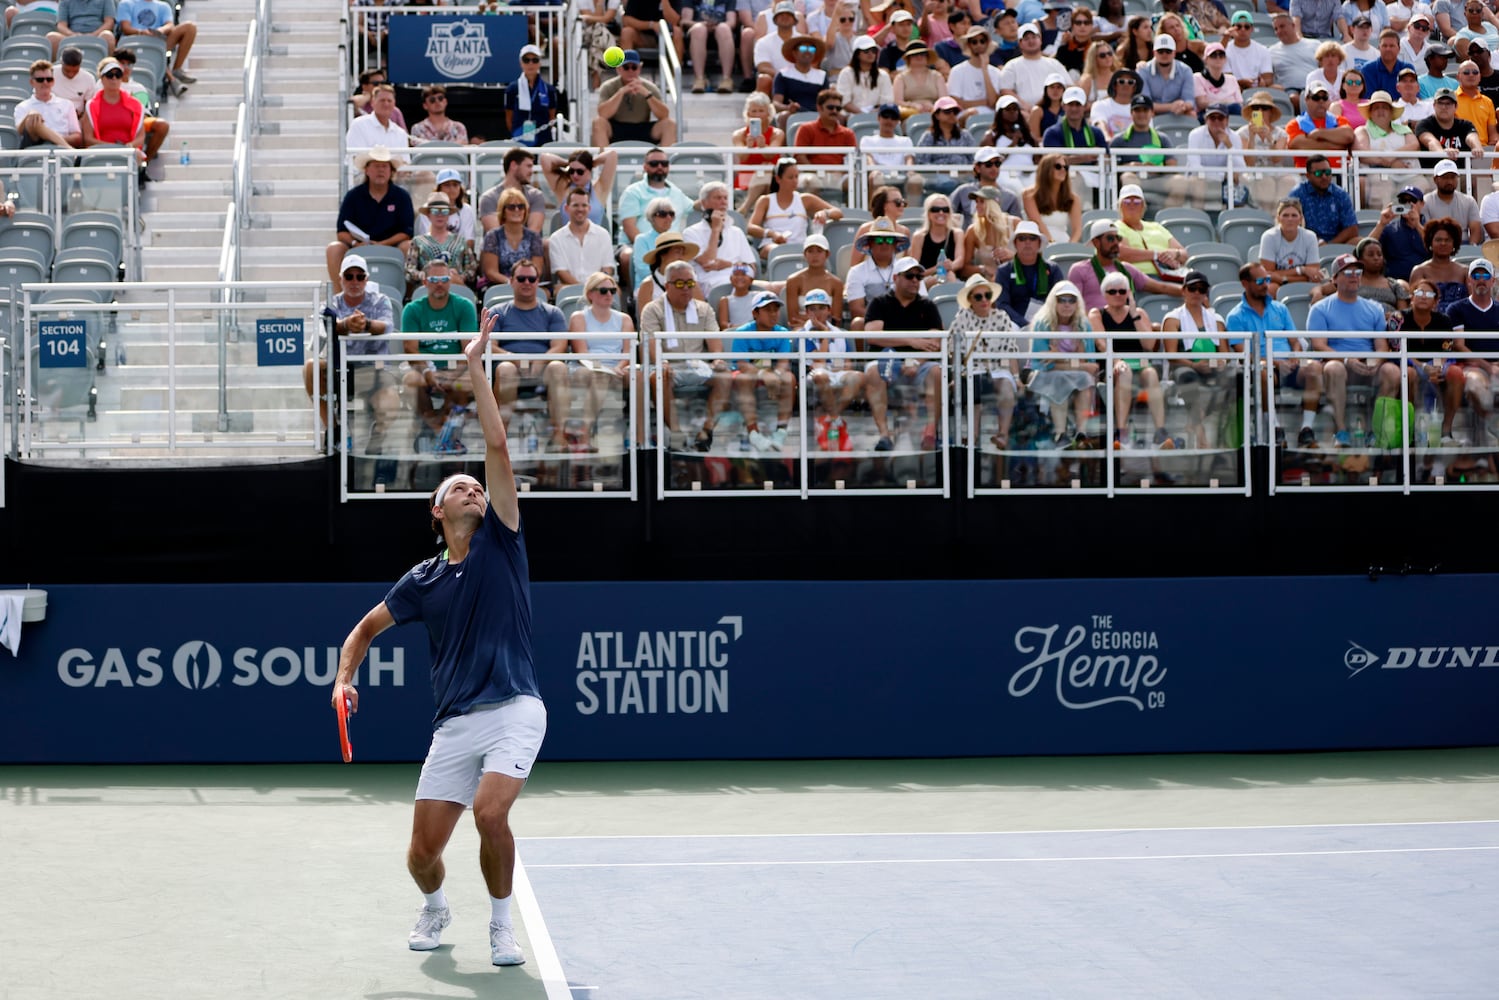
(10, 622)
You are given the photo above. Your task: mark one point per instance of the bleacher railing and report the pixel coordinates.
(671, 76)
(181, 379)
(563, 60)
(8, 405)
(571, 419)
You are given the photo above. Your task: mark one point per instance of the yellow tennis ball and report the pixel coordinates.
(613, 56)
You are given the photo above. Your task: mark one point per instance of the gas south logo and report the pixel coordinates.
(198, 666)
(1358, 658)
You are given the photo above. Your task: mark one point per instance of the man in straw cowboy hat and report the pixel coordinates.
(373, 213)
(795, 88)
(875, 274)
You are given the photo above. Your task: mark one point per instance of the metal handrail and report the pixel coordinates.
(671, 75)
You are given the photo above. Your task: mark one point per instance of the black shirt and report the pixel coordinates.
(920, 316)
(1453, 136)
(1488, 86)
(1405, 321)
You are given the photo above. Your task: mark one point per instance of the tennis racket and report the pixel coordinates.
(343, 729)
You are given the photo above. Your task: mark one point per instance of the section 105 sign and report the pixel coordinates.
(279, 341)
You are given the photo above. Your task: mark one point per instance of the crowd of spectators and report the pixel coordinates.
(1012, 107)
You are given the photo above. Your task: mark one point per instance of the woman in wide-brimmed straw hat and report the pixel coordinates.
(1262, 131)
(1384, 133)
(670, 246)
(983, 328)
(440, 241)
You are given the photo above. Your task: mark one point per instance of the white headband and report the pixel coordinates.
(447, 484)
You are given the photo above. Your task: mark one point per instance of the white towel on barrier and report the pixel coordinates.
(10, 622)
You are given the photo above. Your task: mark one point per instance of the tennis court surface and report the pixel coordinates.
(1342, 875)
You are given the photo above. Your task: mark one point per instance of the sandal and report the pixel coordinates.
(726, 85)
(704, 440)
(699, 86)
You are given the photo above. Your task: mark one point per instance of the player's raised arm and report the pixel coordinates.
(498, 475)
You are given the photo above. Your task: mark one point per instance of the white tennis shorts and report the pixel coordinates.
(503, 739)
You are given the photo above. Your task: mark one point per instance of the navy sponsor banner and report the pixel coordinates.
(456, 48)
(764, 670)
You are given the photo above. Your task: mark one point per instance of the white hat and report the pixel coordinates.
(1057, 79)
(905, 264)
(766, 299)
(1028, 29)
(530, 50)
(377, 154)
(974, 283)
(1102, 227)
(353, 260)
(986, 153)
(865, 42)
(816, 240)
(1131, 191)
(1445, 167)
(1074, 95)
(817, 297)
(1066, 288)
(1009, 100)
(1028, 228)
(1164, 42)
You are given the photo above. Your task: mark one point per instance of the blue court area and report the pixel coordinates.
(1366, 910)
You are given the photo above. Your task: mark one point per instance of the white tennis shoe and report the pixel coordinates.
(427, 934)
(503, 948)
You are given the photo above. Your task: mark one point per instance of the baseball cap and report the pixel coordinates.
(1241, 17)
(1440, 51)
(817, 297)
(985, 154)
(531, 50)
(1164, 42)
(448, 175)
(816, 240)
(1028, 29)
(1195, 278)
(1059, 79)
(1102, 227)
(1343, 262)
(1481, 264)
(1407, 71)
(1445, 94)
(766, 299)
(1444, 168)
(1413, 193)
(1141, 101)
(1009, 100)
(1074, 95)
(905, 264)
(1317, 87)
(354, 260)
(1482, 43)
(1215, 109)
(1028, 228)
(631, 56)
(105, 65)
(1131, 191)
(901, 15)
(889, 110)
(1362, 21)
(1215, 47)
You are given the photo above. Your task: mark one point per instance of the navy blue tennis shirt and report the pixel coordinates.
(478, 618)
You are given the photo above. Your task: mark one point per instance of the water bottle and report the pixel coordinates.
(528, 133)
(452, 431)
(75, 197)
(1423, 429)
(744, 444)
(834, 431)
(1360, 438)
(184, 157)
(942, 264)
(533, 445)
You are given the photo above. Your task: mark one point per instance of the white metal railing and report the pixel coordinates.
(671, 76)
(537, 467)
(178, 304)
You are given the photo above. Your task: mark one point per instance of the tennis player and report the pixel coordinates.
(475, 600)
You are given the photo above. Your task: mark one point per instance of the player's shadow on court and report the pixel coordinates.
(494, 984)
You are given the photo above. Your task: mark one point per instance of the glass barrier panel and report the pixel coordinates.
(1454, 436)
(1179, 420)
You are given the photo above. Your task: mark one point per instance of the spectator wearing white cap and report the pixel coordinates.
(1080, 140)
(1215, 85)
(975, 83)
(1145, 244)
(834, 383)
(1214, 147)
(986, 169)
(1028, 278)
(1422, 43)
(529, 99)
(1169, 84)
(1117, 313)
(904, 320)
(1088, 274)
(815, 277)
(1048, 109)
(888, 155)
(437, 126)
(1447, 202)
(760, 339)
(1025, 76)
(945, 131)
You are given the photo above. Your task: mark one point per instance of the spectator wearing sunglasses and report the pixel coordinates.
(359, 312)
(632, 108)
(638, 200)
(441, 241)
(377, 209)
(1325, 207)
(1257, 314)
(578, 171)
(437, 126)
(602, 377)
(795, 88)
(1474, 106)
(662, 216)
(114, 118)
(530, 99)
(44, 118)
(437, 386)
(530, 330)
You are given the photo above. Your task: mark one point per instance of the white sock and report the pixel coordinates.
(436, 900)
(1308, 417)
(499, 910)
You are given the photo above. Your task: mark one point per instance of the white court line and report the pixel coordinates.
(1005, 833)
(550, 966)
(1017, 861)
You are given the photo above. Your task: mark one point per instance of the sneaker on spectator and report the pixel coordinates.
(1164, 440)
(1343, 439)
(778, 439)
(503, 948)
(1306, 438)
(759, 442)
(183, 76)
(884, 444)
(427, 934)
(1448, 441)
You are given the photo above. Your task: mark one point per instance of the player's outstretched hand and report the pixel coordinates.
(474, 350)
(345, 690)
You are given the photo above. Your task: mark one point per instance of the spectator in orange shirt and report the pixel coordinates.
(1474, 106)
(827, 130)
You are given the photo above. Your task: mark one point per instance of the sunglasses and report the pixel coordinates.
(658, 163)
(439, 211)
(1199, 289)
(443, 97)
(684, 283)
(1067, 300)
(940, 210)
(1467, 72)
(1060, 166)
(524, 279)
(114, 74)
(530, 59)
(882, 240)
(1481, 275)
(630, 66)
(915, 273)
(516, 208)
(1354, 79)
(900, 204)
(980, 297)
(577, 171)
(1320, 173)
(981, 40)
(1351, 270)
(1262, 281)
(836, 109)
(1319, 96)
(355, 276)
(1117, 291)
(1105, 55)
(41, 79)
(809, 49)
(606, 289)
(665, 213)
(439, 280)
(845, 20)
(1423, 295)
